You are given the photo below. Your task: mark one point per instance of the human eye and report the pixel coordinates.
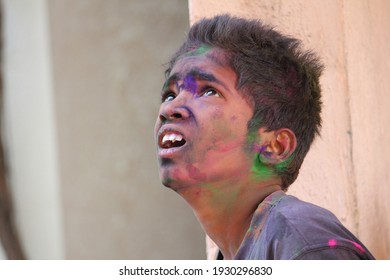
(210, 92)
(168, 96)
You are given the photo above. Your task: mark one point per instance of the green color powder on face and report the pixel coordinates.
(212, 189)
(199, 51)
(283, 165)
(222, 196)
(252, 137)
(263, 172)
(167, 181)
(260, 170)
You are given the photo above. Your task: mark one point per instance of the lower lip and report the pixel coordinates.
(165, 153)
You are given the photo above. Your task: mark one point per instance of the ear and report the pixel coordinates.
(278, 145)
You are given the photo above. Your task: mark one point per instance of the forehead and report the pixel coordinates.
(203, 64)
(205, 53)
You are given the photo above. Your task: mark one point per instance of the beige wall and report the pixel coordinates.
(83, 81)
(107, 62)
(347, 170)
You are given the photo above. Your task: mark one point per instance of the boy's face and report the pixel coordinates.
(201, 130)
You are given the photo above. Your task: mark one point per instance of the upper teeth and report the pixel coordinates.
(172, 137)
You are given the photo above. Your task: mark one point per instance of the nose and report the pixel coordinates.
(174, 110)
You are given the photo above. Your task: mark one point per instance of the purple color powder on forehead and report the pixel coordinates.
(189, 84)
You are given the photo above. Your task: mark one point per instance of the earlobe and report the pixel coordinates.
(278, 146)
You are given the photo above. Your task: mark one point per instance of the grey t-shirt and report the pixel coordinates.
(284, 227)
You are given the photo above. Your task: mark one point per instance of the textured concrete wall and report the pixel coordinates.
(347, 169)
(107, 62)
(83, 81)
(367, 40)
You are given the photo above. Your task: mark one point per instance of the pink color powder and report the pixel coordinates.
(332, 243)
(357, 245)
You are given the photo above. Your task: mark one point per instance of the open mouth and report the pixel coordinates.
(171, 140)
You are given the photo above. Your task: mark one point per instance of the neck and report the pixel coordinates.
(225, 209)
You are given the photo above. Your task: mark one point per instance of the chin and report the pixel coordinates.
(167, 181)
(175, 183)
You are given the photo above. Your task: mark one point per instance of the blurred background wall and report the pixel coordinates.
(82, 87)
(347, 169)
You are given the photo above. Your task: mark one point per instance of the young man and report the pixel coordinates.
(239, 110)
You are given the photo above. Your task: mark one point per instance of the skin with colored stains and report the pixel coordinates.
(260, 170)
(202, 155)
(199, 51)
(199, 99)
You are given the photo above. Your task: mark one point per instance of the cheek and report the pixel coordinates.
(222, 129)
(194, 173)
(224, 135)
(227, 127)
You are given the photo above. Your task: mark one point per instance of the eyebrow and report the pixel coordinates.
(197, 73)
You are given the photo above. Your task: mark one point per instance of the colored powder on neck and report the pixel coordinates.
(260, 170)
